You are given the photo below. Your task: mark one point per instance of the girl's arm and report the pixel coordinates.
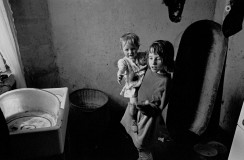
(164, 93)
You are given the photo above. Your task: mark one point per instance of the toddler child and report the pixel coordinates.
(132, 67)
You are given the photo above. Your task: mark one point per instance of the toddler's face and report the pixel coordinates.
(155, 62)
(129, 50)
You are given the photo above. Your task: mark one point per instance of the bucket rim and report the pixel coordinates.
(104, 95)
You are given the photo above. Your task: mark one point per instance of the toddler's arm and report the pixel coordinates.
(121, 71)
(120, 76)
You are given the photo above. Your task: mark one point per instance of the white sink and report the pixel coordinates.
(37, 121)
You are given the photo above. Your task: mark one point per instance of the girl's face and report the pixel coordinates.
(129, 50)
(155, 62)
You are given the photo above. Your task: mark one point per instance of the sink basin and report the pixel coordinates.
(37, 121)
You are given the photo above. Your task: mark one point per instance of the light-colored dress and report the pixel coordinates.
(133, 73)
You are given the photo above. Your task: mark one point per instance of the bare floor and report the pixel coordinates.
(112, 143)
(109, 143)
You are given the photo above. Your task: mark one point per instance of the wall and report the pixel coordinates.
(86, 36)
(233, 84)
(233, 92)
(32, 23)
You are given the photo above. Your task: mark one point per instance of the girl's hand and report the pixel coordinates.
(148, 108)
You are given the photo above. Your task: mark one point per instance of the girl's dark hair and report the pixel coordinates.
(165, 50)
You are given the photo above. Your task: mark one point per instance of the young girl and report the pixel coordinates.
(152, 100)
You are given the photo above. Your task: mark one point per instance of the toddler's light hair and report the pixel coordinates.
(130, 38)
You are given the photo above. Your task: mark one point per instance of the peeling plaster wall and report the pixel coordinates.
(33, 28)
(86, 36)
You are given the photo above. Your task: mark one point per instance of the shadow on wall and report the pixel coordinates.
(232, 113)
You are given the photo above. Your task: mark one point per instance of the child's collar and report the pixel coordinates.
(135, 61)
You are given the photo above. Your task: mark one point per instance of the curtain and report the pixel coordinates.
(8, 44)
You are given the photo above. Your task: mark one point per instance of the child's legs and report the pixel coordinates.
(133, 100)
(133, 111)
